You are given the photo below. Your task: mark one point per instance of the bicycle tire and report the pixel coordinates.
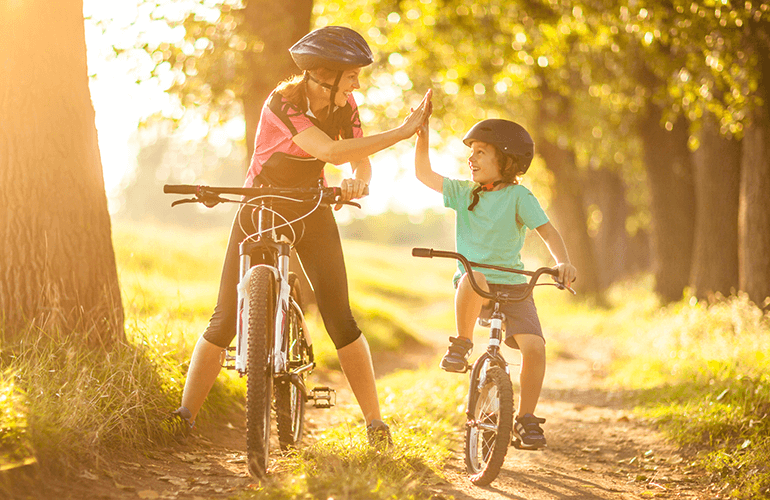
(485, 449)
(290, 399)
(261, 304)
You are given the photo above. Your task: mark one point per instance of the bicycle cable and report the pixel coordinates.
(286, 222)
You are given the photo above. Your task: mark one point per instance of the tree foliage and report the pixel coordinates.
(585, 76)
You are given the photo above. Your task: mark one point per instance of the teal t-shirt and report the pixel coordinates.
(493, 233)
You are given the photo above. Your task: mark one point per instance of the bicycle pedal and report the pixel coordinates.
(322, 397)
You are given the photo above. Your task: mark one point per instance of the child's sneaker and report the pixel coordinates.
(378, 434)
(456, 357)
(527, 433)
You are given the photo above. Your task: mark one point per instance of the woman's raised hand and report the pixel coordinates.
(418, 117)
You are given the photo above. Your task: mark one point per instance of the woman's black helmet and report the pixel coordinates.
(332, 47)
(509, 137)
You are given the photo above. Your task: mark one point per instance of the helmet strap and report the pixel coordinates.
(491, 185)
(333, 88)
(482, 187)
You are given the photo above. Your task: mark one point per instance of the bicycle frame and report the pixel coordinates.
(492, 357)
(276, 253)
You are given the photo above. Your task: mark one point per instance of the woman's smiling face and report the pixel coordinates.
(348, 83)
(483, 163)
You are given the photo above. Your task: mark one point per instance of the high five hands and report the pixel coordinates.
(418, 118)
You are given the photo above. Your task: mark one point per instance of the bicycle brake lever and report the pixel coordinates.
(561, 286)
(185, 200)
(346, 202)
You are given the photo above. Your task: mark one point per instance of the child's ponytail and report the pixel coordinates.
(475, 194)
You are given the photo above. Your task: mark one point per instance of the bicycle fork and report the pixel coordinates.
(491, 357)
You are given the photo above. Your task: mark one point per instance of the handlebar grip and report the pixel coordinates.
(338, 190)
(422, 252)
(179, 189)
(552, 272)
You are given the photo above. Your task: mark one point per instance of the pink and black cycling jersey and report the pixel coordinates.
(277, 160)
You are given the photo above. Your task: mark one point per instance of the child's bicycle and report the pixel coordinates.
(273, 347)
(490, 395)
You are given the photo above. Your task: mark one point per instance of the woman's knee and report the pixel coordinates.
(342, 340)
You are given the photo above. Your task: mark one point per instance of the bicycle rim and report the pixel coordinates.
(488, 431)
(290, 399)
(260, 374)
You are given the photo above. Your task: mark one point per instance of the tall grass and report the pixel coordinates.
(699, 370)
(342, 464)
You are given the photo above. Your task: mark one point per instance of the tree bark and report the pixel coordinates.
(569, 214)
(672, 201)
(606, 190)
(57, 265)
(567, 196)
(717, 184)
(754, 212)
(278, 25)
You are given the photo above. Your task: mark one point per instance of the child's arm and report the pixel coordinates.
(555, 244)
(422, 168)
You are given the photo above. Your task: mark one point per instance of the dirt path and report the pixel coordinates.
(597, 450)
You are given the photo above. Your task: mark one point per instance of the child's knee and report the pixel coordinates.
(478, 277)
(531, 346)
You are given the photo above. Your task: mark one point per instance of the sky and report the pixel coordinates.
(121, 103)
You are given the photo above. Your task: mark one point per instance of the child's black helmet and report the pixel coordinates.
(509, 137)
(332, 47)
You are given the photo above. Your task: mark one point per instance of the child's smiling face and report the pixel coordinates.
(483, 163)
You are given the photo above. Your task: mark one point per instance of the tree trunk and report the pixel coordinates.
(606, 191)
(569, 212)
(672, 201)
(57, 265)
(278, 25)
(570, 216)
(754, 213)
(717, 181)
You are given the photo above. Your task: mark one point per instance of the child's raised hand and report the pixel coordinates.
(418, 116)
(424, 129)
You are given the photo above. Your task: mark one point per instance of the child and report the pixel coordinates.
(493, 214)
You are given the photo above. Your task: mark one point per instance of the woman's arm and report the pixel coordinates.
(316, 143)
(422, 168)
(555, 244)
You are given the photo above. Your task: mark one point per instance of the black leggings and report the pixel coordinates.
(320, 251)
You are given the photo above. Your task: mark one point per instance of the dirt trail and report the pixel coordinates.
(597, 450)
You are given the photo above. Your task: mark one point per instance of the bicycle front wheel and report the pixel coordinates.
(488, 430)
(289, 397)
(261, 304)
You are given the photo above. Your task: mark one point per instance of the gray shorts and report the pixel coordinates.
(520, 317)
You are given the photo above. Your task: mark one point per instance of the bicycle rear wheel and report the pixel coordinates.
(289, 397)
(488, 431)
(261, 304)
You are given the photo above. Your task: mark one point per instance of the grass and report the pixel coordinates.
(63, 405)
(699, 370)
(342, 465)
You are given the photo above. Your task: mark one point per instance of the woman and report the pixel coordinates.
(306, 122)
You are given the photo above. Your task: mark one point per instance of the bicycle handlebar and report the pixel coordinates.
(468, 265)
(209, 195)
